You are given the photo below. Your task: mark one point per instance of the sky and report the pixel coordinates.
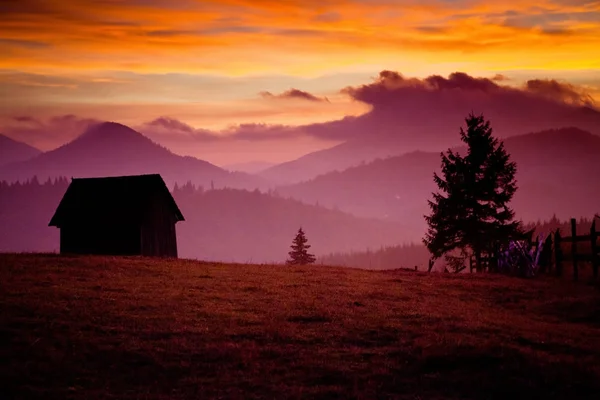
(217, 67)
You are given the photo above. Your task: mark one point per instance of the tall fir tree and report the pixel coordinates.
(299, 254)
(472, 211)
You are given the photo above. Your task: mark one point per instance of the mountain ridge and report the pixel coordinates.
(14, 151)
(367, 148)
(556, 173)
(113, 149)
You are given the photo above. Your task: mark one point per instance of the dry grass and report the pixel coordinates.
(127, 328)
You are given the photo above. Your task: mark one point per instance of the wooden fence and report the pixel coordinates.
(576, 255)
(554, 244)
(489, 262)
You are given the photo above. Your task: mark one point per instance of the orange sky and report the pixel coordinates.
(207, 61)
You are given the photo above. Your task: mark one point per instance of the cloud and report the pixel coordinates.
(256, 132)
(500, 78)
(426, 112)
(241, 36)
(170, 124)
(294, 94)
(331, 16)
(30, 44)
(560, 91)
(407, 112)
(168, 130)
(392, 86)
(49, 133)
(27, 119)
(45, 133)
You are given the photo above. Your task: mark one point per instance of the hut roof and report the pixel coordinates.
(113, 198)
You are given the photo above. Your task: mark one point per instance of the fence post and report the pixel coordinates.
(574, 248)
(547, 253)
(558, 253)
(595, 256)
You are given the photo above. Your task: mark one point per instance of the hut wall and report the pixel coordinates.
(101, 238)
(158, 236)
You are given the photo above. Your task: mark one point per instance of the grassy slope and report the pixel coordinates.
(138, 328)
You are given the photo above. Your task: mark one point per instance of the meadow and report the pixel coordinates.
(140, 328)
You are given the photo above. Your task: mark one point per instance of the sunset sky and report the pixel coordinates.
(216, 64)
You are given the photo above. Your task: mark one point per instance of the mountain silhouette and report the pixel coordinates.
(337, 158)
(557, 172)
(14, 151)
(400, 128)
(112, 149)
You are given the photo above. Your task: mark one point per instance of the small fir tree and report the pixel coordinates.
(299, 254)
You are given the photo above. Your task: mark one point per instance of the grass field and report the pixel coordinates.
(135, 328)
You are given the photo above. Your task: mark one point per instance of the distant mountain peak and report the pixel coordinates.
(14, 151)
(113, 149)
(114, 137)
(109, 128)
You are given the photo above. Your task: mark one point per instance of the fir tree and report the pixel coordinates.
(299, 254)
(472, 212)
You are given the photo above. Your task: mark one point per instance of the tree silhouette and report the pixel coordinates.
(472, 211)
(299, 254)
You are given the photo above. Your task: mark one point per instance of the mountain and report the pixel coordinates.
(557, 173)
(222, 224)
(393, 131)
(111, 149)
(338, 158)
(13, 151)
(251, 167)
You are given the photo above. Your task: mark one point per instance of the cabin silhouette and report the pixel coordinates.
(125, 215)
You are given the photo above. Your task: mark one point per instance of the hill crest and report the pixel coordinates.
(12, 150)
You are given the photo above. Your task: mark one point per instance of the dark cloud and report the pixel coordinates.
(331, 16)
(558, 32)
(294, 94)
(390, 86)
(230, 29)
(427, 112)
(431, 29)
(298, 32)
(500, 78)
(560, 91)
(255, 132)
(171, 123)
(169, 33)
(30, 44)
(164, 129)
(26, 118)
(168, 130)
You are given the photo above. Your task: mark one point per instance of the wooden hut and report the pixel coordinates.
(125, 215)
